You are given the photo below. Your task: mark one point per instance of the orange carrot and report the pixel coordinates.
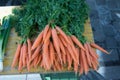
(36, 52)
(28, 65)
(85, 65)
(69, 59)
(46, 55)
(72, 53)
(48, 35)
(52, 53)
(76, 64)
(62, 47)
(81, 70)
(39, 60)
(56, 43)
(35, 61)
(77, 42)
(64, 58)
(21, 59)
(92, 52)
(75, 67)
(37, 41)
(24, 54)
(63, 34)
(62, 40)
(87, 54)
(57, 64)
(98, 47)
(16, 57)
(41, 64)
(29, 47)
(94, 66)
(45, 32)
(74, 49)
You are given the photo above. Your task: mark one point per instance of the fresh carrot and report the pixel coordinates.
(41, 64)
(47, 37)
(74, 49)
(62, 47)
(69, 59)
(28, 65)
(52, 53)
(78, 53)
(85, 65)
(45, 32)
(16, 57)
(36, 52)
(57, 64)
(46, 55)
(77, 42)
(87, 54)
(37, 41)
(64, 58)
(35, 61)
(94, 66)
(62, 40)
(72, 53)
(63, 34)
(98, 47)
(76, 64)
(24, 54)
(54, 67)
(92, 52)
(56, 43)
(21, 59)
(81, 70)
(39, 59)
(29, 48)
(75, 67)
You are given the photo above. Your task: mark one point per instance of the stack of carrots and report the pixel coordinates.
(54, 50)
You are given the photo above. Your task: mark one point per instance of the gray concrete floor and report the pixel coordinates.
(21, 77)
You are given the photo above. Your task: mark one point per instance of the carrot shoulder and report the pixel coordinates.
(48, 35)
(45, 31)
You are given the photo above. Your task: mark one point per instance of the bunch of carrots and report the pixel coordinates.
(54, 50)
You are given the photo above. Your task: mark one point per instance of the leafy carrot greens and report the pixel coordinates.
(33, 15)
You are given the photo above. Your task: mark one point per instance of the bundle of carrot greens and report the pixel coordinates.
(58, 26)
